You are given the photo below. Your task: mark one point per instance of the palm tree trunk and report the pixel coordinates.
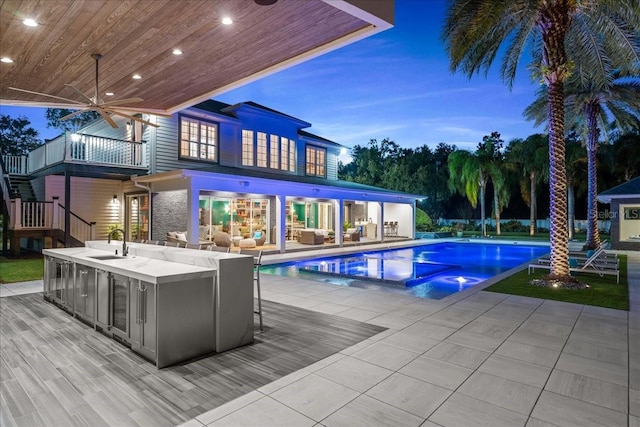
(532, 205)
(482, 209)
(496, 206)
(571, 207)
(554, 21)
(593, 235)
(558, 235)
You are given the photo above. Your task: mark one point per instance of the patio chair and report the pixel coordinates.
(192, 246)
(595, 264)
(257, 262)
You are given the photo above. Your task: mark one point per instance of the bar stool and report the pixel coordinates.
(257, 262)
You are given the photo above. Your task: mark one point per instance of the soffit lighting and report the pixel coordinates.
(6, 60)
(227, 21)
(136, 77)
(30, 22)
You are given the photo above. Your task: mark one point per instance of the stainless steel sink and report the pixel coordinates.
(106, 257)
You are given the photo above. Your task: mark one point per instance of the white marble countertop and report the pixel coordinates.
(137, 267)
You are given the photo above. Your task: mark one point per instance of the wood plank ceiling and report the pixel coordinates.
(138, 36)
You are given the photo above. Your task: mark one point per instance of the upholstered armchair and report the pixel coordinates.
(352, 234)
(310, 237)
(260, 237)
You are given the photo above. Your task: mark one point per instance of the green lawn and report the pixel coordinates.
(21, 269)
(602, 292)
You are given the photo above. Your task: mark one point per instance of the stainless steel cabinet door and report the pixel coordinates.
(143, 318)
(84, 292)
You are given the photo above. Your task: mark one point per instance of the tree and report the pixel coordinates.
(54, 119)
(590, 104)
(605, 31)
(489, 151)
(530, 158)
(468, 176)
(17, 138)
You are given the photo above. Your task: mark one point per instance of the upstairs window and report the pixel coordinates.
(316, 161)
(198, 139)
(247, 148)
(292, 155)
(261, 154)
(273, 152)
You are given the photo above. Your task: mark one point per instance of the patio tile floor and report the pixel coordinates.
(476, 358)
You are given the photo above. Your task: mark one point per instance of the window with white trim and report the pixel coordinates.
(274, 151)
(247, 148)
(292, 155)
(316, 161)
(284, 154)
(261, 153)
(198, 139)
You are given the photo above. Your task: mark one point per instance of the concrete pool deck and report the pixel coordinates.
(474, 358)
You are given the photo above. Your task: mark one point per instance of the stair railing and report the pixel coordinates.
(48, 216)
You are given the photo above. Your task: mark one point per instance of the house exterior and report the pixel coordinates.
(624, 200)
(209, 168)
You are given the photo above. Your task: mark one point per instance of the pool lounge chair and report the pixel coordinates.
(595, 264)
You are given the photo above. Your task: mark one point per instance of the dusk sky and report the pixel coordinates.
(395, 85)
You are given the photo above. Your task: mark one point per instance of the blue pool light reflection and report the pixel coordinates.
(429, 271)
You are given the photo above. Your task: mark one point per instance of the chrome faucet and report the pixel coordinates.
(125, 250)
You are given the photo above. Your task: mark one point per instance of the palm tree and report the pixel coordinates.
(590, 107)
(530, 157)
(491, 156)
(604, 31)
(468, 176)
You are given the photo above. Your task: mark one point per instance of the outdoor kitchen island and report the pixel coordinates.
(167, 304)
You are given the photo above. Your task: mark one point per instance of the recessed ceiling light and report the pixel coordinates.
(136, 77)
(6, 60)
(109, 93)
(227, 21)
(177, 52)
(30, 22)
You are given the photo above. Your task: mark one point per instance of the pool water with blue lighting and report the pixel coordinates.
(428, 271)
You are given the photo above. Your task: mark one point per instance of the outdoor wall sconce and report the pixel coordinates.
(135, 201)
(115, 199)
(75, 137)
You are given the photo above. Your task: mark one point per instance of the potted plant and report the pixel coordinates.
(459, 227)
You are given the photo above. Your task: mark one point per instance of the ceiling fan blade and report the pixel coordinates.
(106, 116)
(44, 94)
(121, 101)
(75, 113)
(128, 116)
(80, 92)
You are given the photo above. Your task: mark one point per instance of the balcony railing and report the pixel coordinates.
(79, 148)
(48, 216)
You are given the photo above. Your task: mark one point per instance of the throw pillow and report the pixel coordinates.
(181, 236)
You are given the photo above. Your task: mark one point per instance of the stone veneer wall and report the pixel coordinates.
(615, 225)
(168, 213)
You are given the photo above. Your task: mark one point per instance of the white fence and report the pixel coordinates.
(579, 224)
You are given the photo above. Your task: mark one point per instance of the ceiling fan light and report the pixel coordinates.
(265, 2)
(6, 60)
(109, 93)
(30, 22)
(136, 77)
(227, 21)
(177, 52)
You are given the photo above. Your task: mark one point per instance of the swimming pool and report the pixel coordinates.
(429, 271)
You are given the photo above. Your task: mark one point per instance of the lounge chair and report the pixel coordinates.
(595, 264)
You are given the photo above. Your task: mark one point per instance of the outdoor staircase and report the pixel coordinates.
(21, 187)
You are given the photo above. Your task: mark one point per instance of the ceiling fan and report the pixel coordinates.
(105, 109)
